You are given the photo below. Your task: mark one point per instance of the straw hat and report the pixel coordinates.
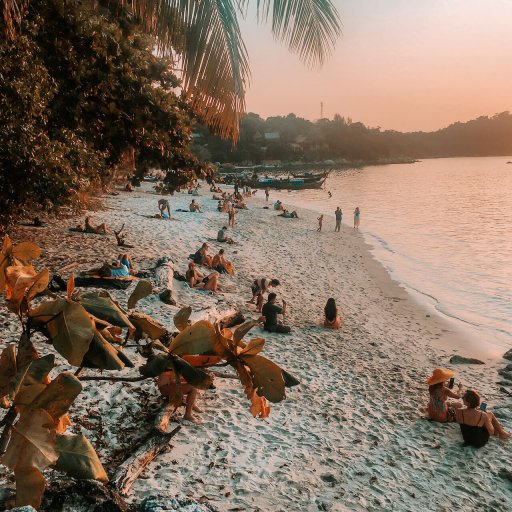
(440, 375)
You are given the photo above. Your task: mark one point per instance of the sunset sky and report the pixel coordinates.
(400, 64)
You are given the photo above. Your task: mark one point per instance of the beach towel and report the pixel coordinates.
(199, 290)
(74, 230)
(119, 283)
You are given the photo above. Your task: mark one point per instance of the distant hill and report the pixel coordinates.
(291, 138)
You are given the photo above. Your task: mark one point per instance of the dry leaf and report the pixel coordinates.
(5, 257)
(105, 309)
(39, 285)
(181, 318)
(70, 286)
(143, 289)
(241, 331)
(17, 280)
(30, 486)
(199, 338)
(144, 324)
(255, 346)
(7, 368)
(259, 406)
(26, 251)
(267, 377)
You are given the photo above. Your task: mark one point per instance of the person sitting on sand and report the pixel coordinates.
(163, 205)
(196, 279)
(221, 236)
(278, 206)
(289, 215)
(124, 259)
(258, 288)
(201, 256)
(89, 228)
(477, 426)
(115, 269)
(221, 265)
(439, 407)
(270, 311)
(332, 319)
(194, 207)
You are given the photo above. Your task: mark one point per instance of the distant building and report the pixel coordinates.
(272, 136)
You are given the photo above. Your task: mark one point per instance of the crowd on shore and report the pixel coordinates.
(445, 405)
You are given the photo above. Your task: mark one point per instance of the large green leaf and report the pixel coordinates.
(78, 458)
(267, 377)
(31, 373)
(105, 309)
(143, 289)
(198, 338)
(102, 355)
(69, 325)
(58, 396)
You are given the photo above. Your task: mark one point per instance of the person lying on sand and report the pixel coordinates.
(114, 269)
(258, 288)
(163, 205)
(289, 215)
(201, 256)
(270, 312)
(196, 279)
(194, 207)
(476, 426)
(221, 236)
(89, 228)
(439, 407)
(221, 265)
(332, 319)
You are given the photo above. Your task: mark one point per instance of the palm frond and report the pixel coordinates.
(205, 38)
(309, 28)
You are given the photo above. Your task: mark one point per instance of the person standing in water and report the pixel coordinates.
(339, 215)
(320, 222)
(357, 217)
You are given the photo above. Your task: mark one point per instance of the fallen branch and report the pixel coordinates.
(132, 467)
(225, 375)
(163, 416)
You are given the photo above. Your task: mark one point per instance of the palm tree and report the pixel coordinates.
(204, 38)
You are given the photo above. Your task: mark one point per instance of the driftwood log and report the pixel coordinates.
(164, 276)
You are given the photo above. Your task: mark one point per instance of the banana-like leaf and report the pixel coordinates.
(78, 459)
(31, 373)
(267, 378)
(241, 331)
(194, 376)
(198, 338)
(105, 309)
(26, 251)
(5, 256)
(143, 289)
(58, 396)
(155, 365)
(8, 368)
(289, 379)
(71, 332)
(32, 442)
(181, 318)
(102, 355)
(255, 346)
(144, 324)
(30, 486)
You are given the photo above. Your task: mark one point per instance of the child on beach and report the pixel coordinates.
(332, 319)
(320, 222)
(357, 217)
(270, 312)
(439, 407)
(477, 426)
(258, 288)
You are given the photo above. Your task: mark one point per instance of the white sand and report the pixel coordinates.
(352, 436)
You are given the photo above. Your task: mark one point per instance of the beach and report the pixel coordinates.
(353, 434)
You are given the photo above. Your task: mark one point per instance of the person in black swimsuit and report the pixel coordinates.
(477, 426)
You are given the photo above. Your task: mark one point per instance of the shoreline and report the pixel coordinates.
(352, 436)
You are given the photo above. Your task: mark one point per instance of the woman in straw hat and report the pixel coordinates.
(439, 407)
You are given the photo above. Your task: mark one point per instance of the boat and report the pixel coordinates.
(288, 183)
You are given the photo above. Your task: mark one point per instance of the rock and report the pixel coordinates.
(464, 360)
(160, 504)
(329, 477)
(506, 474)
(508, 355)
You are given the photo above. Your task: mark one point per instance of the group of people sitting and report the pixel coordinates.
(476, 423)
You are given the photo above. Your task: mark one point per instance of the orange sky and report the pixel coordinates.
(400, 64)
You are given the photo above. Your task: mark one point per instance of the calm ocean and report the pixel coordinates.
(442, 228)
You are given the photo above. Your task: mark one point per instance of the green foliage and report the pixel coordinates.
(82, 94)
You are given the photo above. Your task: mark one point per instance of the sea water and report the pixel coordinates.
(442, 228)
